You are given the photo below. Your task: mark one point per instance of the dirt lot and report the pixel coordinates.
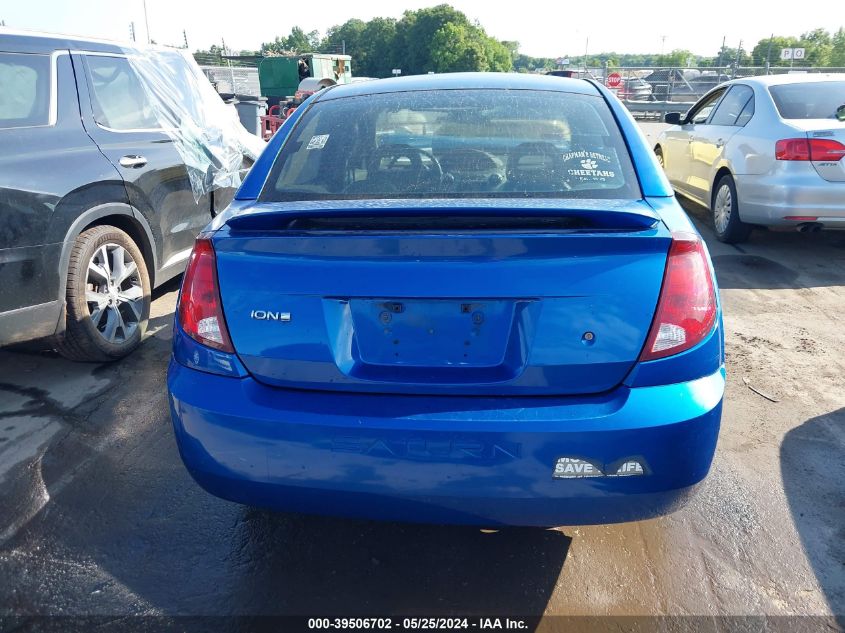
(99, 516)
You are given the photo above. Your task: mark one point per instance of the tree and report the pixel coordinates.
(499, 54)
(346, 37)
(837, 49)
(512, 46)
(727, 56)
(212, 56)
(297, 42)
(818, 48)
(370, 44)
(415, 32)
(443, 39)
(678, 57)
(763, 51)
(455, 48)
(380, 38)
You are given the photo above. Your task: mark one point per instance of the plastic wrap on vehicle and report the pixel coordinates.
(206, 131)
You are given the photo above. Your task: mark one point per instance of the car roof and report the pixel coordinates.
(779, 80)
(456, 81)
(19, 40)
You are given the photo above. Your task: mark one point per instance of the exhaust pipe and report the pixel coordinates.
(809, 227)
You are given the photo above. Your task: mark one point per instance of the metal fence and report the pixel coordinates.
(239, 80)
(651, 91)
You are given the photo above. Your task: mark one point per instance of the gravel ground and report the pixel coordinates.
(100, 518)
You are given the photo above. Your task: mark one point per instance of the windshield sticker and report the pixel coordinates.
(586, 166)
(318, 142)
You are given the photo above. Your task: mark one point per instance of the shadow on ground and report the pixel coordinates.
(141, 537)
(773, 259)
(813, 469)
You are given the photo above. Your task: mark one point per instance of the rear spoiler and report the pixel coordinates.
(427, 218)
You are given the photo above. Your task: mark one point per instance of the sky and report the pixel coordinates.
(543, 29)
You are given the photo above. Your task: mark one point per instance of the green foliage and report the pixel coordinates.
(443, 39)
(819, 47)
(439, 38)
(414, 43)
(297, 42)
(347, 36)
(371, 45)
(837, 50)
(763, 51)
(459, 47)
(212, 56)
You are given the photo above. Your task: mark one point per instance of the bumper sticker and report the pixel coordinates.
(579, 468)
(575, 468)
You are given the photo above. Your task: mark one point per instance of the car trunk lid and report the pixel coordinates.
(832, 168)
(495, 298)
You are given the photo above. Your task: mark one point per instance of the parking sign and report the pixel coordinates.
(792, 53)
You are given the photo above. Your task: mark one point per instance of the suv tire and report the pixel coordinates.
(108, 297)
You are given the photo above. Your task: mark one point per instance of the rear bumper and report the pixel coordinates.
(471, 460)
(769, 199)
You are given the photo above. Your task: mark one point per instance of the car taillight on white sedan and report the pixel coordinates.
(200, 310)
(686, 310)
(809, 149)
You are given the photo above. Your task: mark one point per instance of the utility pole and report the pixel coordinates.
(229, 63)
(147, 22)
(662, 47)
(721, 52)
(586, 48)
(769, 53)
(185, 37)
(738, 55)
(132, 30)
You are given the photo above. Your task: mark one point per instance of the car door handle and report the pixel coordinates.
(132, 161)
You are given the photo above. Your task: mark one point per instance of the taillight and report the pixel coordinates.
(686, 310)
(200, 311)
(809, 149)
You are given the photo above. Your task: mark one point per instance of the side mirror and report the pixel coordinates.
(673, 118)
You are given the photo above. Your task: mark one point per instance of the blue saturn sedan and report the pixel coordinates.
(466, 298)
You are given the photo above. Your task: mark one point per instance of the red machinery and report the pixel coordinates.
(272, 121)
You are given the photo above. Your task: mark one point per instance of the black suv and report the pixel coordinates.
(96, 205)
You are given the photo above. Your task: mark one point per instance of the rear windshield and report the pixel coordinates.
(456, 144)
(819, 100)
(24, 90)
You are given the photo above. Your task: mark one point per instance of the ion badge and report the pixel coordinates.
(575, 468)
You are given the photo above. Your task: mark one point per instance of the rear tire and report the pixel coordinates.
(108, 297)
(725, 208)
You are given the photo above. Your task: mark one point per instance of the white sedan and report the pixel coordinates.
(764, 151)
